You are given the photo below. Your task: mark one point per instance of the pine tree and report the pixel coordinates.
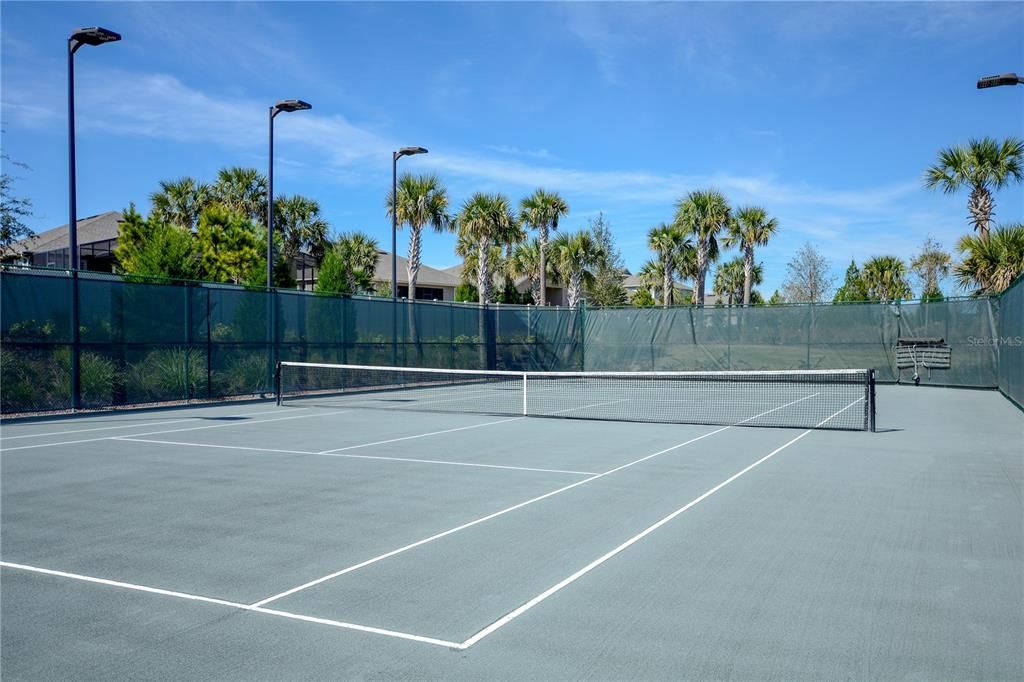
(606, 289)
(853, 289)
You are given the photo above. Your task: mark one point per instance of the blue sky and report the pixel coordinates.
(826, 114)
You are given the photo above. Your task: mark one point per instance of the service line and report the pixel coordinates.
(504, 620)
(502, 512)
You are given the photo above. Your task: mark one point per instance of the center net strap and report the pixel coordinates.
(827, 399)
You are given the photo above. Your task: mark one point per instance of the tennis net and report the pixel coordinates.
(826, 399)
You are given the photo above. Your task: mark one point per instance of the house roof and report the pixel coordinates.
(96, 228)
(427, 276)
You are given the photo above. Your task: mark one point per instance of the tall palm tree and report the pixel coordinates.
(541, 211)
(297, 219)
(750, 226)
(179, 202)
(885, 278)
(484, 221)
(422, 201)
(573, 256)
(667, 241)
(243, 191)
(703, 213)
(983, 165)
(991, 265)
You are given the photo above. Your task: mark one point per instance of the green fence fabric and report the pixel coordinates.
(1010, 342)
(845, 336)
(147, 342)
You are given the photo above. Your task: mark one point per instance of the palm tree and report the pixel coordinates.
(348, 266)
(484, 221)
(749, 227)
(179, 202)
(541, 211)
(243, 191)
(422, 201)
(731, 279)
(525, 262)
(667, 241)
(983, 165)
(703, 213)
(298, 220)
(573, 256)
(991, 265)
(885, 278)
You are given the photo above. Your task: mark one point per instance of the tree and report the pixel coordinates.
(525, 262)
(482, 223)
(13, 209)
(983, 165)
(422, 201)
(179, 202)
(990, 265)
(808, 279)
(667, 241)
(749, 227)
(243, 191)
(229, 247)
(606, 289)
(931, 266)
(703, 213)
(466, 293)
(541, 211)
(151, 248)
(298, 221)
(885, 278)
(776, 299)
(642, 298)
(731, 280)
(574, 257)
(853, 289)
(348, 266)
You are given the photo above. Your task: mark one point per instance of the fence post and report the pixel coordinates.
(583, 335)
(188, 341)
(76, 380)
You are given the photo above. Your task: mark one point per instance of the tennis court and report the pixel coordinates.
(251, 540)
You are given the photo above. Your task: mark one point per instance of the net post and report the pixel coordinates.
(277, 383)
(525, 410)
(870, 397)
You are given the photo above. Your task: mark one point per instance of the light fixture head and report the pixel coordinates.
(94, 35)
(410, 151)
(292, 105)
(996, 81)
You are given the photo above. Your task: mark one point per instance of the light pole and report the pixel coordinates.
(1001, 79)
(284, 105)
(395, 156)
(93, 35)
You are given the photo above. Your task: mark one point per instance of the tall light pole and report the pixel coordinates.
(395, 156)
(1001, 79)
(93, 35)
(284, 105)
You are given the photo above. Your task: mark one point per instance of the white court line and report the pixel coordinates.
(377, 457)
(193, 428)
(501, 512)
(504, 620)
(235, 605)
(419, 435)
(135, 426)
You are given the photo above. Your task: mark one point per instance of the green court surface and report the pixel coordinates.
(251, 541)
